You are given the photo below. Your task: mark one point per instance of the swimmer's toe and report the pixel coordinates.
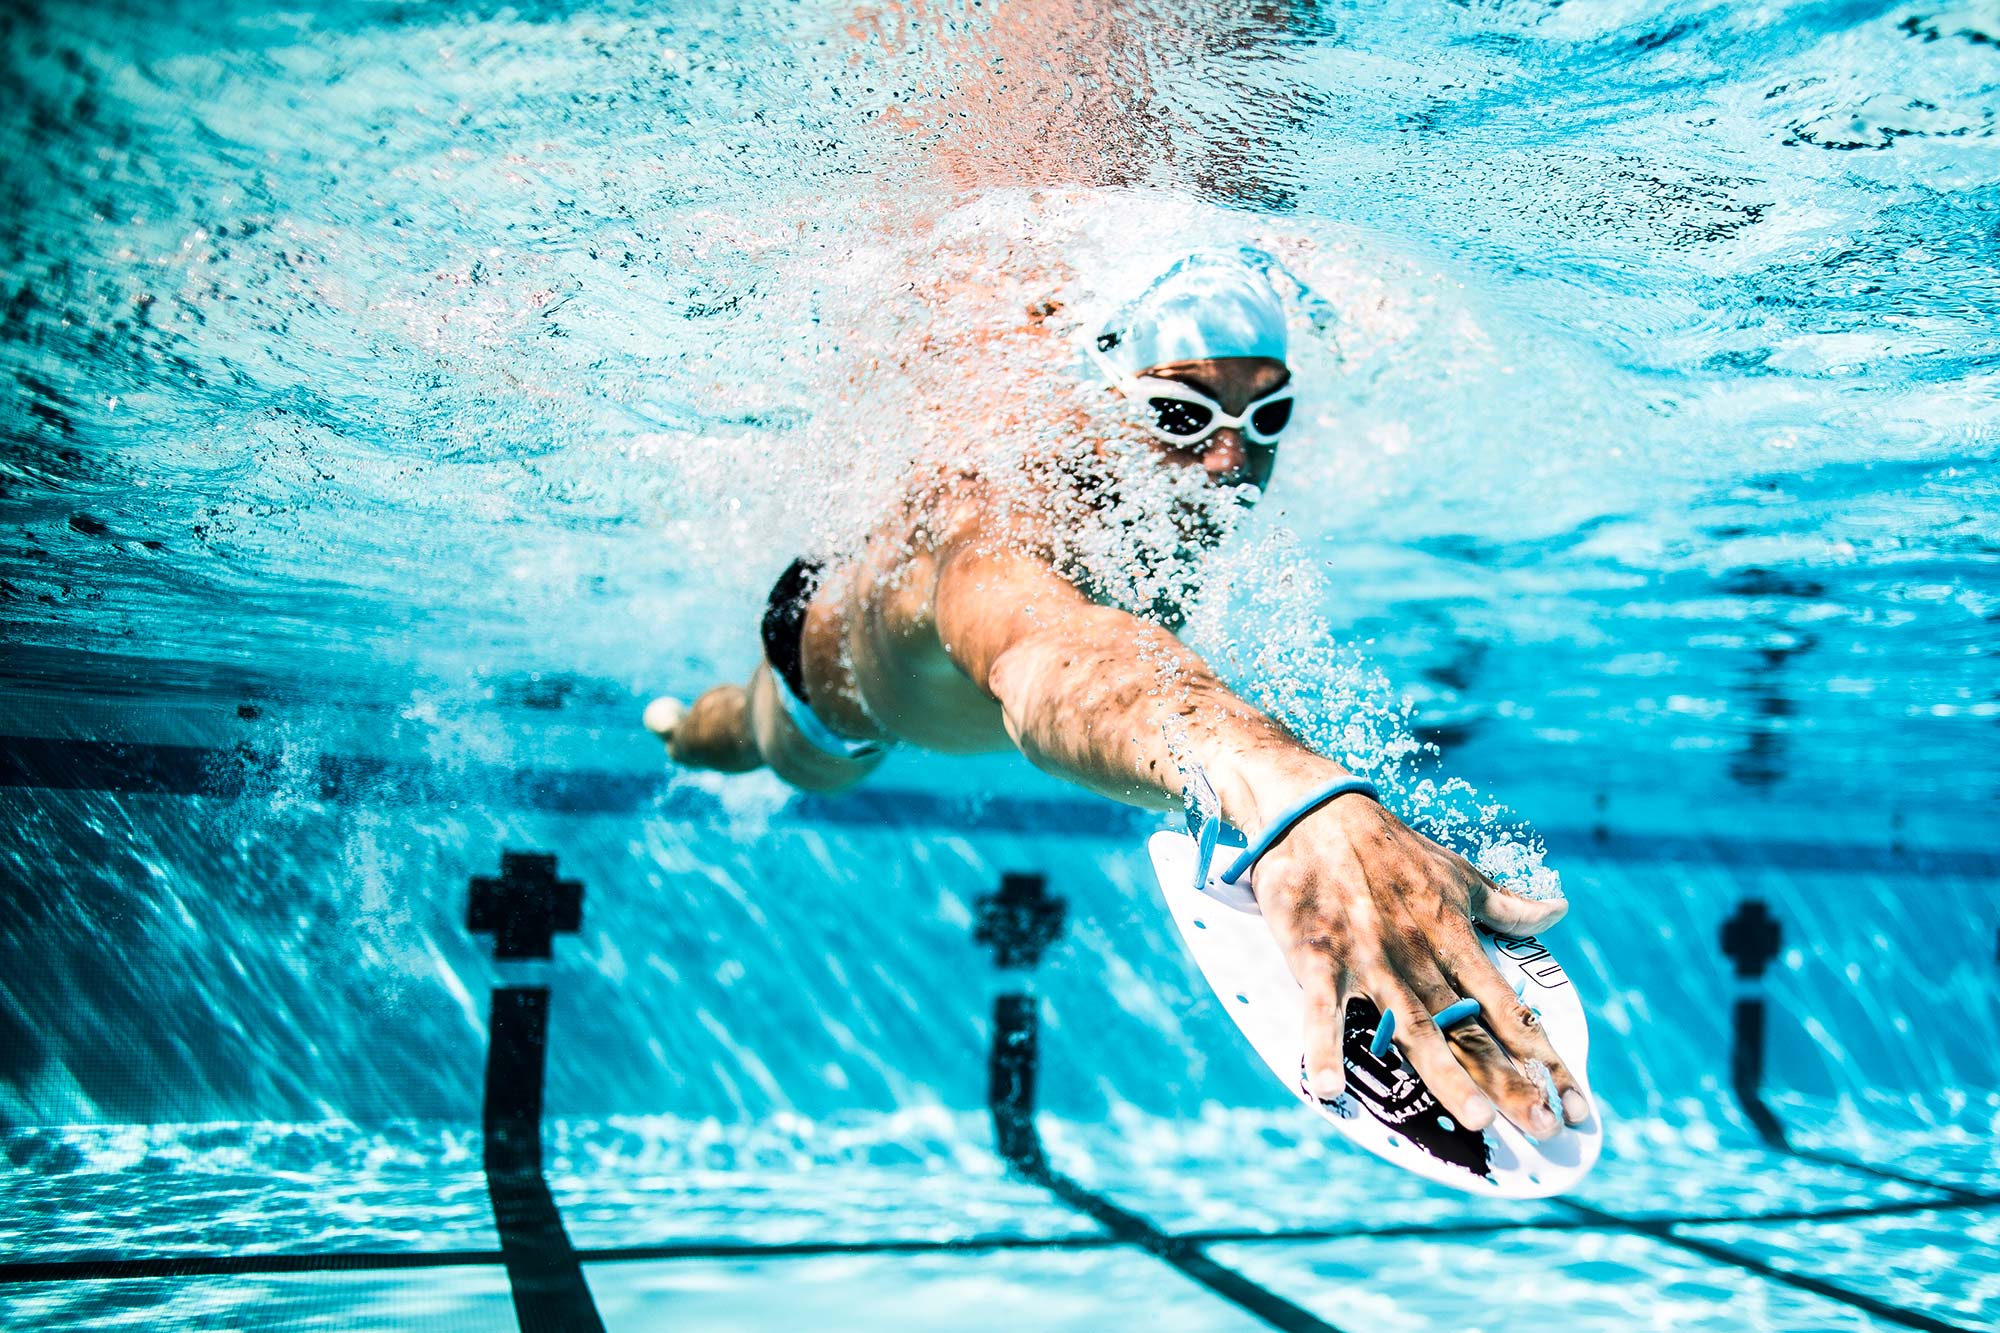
(663, 715)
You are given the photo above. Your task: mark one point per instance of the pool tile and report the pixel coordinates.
(1955, 1149)
(1651, 1170)
(1574, 1281)
(439, 1300)
(1944, 1263)
(137, 1191)
(811, 1203)
(1084, 1291)
(1259, 1171)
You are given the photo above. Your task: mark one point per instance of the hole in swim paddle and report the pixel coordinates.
(1444, 1123)
(1201, 925)
(1243, 999)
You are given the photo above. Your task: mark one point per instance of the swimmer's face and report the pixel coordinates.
(1227, 456)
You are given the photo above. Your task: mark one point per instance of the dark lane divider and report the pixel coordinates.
(182, 770)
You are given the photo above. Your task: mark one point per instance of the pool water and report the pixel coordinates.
(405, 395)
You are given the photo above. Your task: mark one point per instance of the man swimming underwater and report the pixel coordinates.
(957, 630)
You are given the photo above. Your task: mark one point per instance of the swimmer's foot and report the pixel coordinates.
(662, 716)
(713, 732)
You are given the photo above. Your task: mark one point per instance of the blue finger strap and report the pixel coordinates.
(1456, 1012)
(1384, 1030)
(1283, 824)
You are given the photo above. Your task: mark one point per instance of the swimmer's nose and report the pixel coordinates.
(1227, 459)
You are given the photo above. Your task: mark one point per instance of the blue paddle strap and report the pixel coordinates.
(1385, 1032)
(1283, 823)
(1458, 1011)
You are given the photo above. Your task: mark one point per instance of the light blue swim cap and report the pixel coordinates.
(1213, 303)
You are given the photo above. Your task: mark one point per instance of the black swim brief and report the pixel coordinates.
(785, 622)
(784, 633)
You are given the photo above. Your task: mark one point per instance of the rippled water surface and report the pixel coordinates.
(393, 356)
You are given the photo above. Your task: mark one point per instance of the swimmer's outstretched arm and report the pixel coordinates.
(1361, 903)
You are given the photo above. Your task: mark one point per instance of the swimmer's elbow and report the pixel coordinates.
(1045, 682)
(991, 609)
(1028, 683)
(1094, 650)
(1031, 678)
(1010, 679)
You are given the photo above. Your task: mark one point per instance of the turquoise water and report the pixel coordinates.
(404, 395)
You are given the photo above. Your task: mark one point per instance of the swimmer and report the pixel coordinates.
(958, 630)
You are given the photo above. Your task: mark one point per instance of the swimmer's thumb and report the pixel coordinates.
(1512, 914)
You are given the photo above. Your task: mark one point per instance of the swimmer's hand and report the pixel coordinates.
(1363, 905)
(1360, 904)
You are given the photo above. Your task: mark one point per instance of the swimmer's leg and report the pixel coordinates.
(736, 729)
(790, 755)
(713, 733)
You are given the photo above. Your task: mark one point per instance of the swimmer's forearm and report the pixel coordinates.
(1118, 705)
(1109, 701)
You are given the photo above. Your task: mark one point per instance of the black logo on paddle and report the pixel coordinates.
(1394, 1095)
(1527, 951)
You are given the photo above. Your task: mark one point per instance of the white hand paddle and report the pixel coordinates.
(1386, 1108)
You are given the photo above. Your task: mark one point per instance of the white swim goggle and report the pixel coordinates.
(1181, 415)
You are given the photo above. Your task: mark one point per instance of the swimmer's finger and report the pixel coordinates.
(1517, 1098)
(1420, 1042)
(1510, 912)
(1518, 1030)
(1327, 991)
(1473, 1047)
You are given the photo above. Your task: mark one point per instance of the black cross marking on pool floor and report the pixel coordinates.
(1751, 939)
(524, 908)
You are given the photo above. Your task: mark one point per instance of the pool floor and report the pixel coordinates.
(330, 1227)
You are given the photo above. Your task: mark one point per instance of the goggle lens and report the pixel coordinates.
(1179, 418)
(1272, 417)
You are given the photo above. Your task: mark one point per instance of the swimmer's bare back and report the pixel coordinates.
(953, 633)
(872, 662)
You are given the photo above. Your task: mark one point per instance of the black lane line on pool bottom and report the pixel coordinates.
(543, 1272)
(1010, 1097)
(1663, 1231)
(230, 1265)
(524, 908)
